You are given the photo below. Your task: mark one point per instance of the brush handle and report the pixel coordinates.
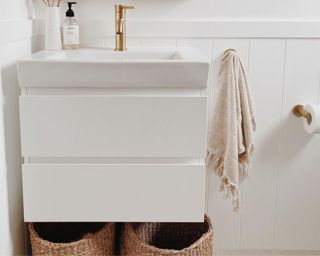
(52, 3)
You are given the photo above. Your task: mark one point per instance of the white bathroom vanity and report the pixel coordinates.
(114, 136)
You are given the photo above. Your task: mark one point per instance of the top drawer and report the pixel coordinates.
(113, 126)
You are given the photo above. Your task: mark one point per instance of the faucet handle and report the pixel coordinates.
(129, 7)
(121, 8)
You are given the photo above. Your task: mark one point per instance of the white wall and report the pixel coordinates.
(205, 9)
(15, 41)
(281, 206)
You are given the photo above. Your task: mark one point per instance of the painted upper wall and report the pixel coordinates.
(202, 9)
(15, 10)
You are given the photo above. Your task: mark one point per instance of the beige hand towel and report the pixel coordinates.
(232, 127)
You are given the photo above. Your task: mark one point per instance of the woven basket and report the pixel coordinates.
(72, 239)
(161, 239)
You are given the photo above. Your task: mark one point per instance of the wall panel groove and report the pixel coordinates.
(297, 210)
(278, 143)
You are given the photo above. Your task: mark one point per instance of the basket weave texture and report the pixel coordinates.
(97, 242)
(163, 239)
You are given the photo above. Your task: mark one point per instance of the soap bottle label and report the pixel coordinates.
(71, 35)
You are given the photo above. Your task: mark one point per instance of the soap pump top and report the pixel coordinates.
(70, 12)
(70, 29)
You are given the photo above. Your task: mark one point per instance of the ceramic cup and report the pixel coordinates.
(52, 32)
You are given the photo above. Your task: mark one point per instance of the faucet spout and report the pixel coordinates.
(120, 26)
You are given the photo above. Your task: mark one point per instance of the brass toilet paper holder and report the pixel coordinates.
(299, 111)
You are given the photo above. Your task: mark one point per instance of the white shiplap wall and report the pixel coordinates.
(281, 206)
(281, 200)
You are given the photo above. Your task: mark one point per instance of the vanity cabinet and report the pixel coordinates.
(113, 192)
(113, 126)
(113, 154)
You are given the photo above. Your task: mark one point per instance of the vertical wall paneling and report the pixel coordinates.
(259, 192)
(281, 205)
(227, 223)
(280, 200)
(316, 175)
(297, 209)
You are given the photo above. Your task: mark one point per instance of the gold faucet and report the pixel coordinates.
(120, 22)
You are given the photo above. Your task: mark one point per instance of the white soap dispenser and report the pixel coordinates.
(70, 29)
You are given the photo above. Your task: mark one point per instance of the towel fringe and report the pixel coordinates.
(229, 188)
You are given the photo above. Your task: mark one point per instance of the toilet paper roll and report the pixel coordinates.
(314, 126)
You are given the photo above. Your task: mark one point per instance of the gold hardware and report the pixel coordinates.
(299, 111)
(120, 26)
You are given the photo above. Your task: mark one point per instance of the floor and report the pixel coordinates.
(267, 253)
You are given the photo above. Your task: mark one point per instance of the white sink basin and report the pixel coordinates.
(102, 67)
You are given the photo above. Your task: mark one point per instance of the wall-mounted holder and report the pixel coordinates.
(299, 111)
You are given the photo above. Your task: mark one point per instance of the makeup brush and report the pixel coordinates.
(52, 3)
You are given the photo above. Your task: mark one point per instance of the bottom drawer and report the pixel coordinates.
(115, 193)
